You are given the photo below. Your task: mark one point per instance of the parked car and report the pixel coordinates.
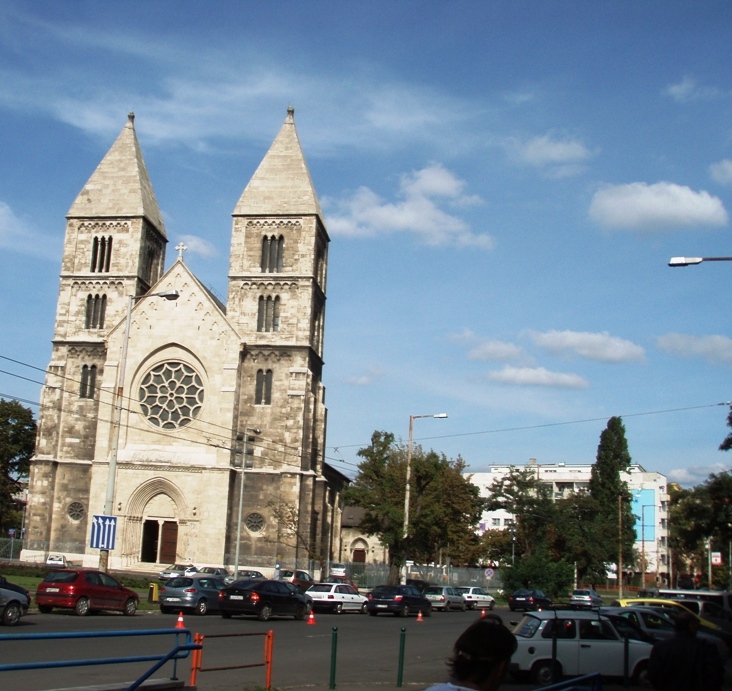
(445, 597)
(248, 574)
(217, 572)
(84, 591)
(337, 569)
(58, 561)
(663, 603)
(476, 598)
(337, 597)
(586, 642)
(659, 625)
(400, 600)
(526, 599)
(177, 570)
(263, 599)
(13, 605)
(584, 598)
(302, 579)
(341, 579)
(5, 583)
(198, 592)
(709, 610)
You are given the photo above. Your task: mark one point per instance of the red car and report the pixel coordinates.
(84, 591)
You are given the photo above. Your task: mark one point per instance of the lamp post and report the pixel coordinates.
(245, 464)
(691, 261)
(117, 416)
(405, 529)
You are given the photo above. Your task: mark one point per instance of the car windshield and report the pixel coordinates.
(523, 593)
(179, 583)
(433, 591)
(208, 569)
(386, 591)
(320, 588)
(585, 593)
(60, 577)
(527, 627)
(245, 585)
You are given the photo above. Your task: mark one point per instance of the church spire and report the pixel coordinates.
(120, 186)
(282, 184)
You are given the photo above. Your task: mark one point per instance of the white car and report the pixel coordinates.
(476, 598)
(337, 569)
(177, 570)
(337, 597)
(587, 642)
(58, 561)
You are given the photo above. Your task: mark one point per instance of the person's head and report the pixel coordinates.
(481, 654)
(686, 622)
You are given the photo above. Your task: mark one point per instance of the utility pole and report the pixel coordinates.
(620, 546)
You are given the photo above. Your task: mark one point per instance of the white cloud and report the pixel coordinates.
(558, 157)
(18, 235)
(418, 211)
(537, 376)
(662, 205)
(494, 350)
(689, 90)
(365, 379)
(594, 346)
(715, 349)
(199, 246)
(695, 475)
(721, 172)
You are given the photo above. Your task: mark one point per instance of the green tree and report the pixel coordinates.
(17, 444)
(444, 506)
(726, 445)
(610, 492)
(541, 570)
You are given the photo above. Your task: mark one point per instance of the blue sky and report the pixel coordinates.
(503, 183)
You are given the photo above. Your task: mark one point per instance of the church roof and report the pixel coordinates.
(282, 184)
(120, 186)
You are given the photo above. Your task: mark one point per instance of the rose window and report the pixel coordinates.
(171, 395)
(254, 522)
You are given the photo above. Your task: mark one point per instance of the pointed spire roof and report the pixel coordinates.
(282, 184)
(120, 186)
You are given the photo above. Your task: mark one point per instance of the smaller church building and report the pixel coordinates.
(198, 426)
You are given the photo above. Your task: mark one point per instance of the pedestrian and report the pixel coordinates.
(685, 662)
(480, 656)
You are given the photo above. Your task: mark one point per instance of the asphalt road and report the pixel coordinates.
(366, 650)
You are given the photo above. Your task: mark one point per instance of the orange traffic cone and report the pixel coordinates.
(179, 624)
(419, 616)
(311, 619)
(482, 613)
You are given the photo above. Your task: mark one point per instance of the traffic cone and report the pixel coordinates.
(482, 613)
(179, 624)
(311, 619)
(419, 616)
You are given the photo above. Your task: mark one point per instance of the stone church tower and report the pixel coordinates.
(202, 424)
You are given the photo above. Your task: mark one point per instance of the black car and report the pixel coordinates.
(5, 583)
(527, 599)
(399, 600)
(263, 599)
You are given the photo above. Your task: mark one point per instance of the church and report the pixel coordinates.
(198, 428)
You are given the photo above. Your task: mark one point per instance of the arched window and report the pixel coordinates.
(96, 308)
(263, 391)
(268, 315)
(101, 254)
(87, 388)
(273, 249)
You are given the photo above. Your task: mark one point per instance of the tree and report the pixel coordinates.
(608, 489)
(444, 507)
(539, 570)
(726, 445)
(17, 444)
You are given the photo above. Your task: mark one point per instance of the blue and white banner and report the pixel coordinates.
(103, 532)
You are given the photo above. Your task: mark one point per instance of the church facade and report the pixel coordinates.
(200, 427)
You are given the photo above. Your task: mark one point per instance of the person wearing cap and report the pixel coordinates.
(480, 656)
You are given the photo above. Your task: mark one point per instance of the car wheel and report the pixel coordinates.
(364, 608)
(446, 608)
(82, 607)
(492, 605)
(404, 611)
(301, 612)
(338, 609)
(44, 609)
(225, 614)
(542, 672)
(640, 678)
(201, 607)
(130, 607)
(464, 607)
(12, 613)
(265, 613)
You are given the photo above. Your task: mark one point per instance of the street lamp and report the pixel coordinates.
(690, 261)
(405, 530)
(117, 417)
(246, 463)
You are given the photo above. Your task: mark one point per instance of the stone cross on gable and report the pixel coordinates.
(180, 247)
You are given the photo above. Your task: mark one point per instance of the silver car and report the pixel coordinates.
(177, 570)
(445, 597)
(197, 592)
(585, 598)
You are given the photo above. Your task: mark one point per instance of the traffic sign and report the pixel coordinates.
(103, 532)
(489, 573)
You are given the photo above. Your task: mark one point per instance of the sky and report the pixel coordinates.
(503, 183)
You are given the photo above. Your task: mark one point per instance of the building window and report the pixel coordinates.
(268, 315)
(496, 522)
(96, 308)
(254, 522)
(88, 381)
(508, 521)
(263, 392)
(171, 395)
(272, 250)
(101, 254)
(76, 511)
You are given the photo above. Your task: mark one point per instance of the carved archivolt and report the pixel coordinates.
(148, 490)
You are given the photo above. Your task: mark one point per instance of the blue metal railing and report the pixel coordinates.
(589, 682)
(178, 652)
